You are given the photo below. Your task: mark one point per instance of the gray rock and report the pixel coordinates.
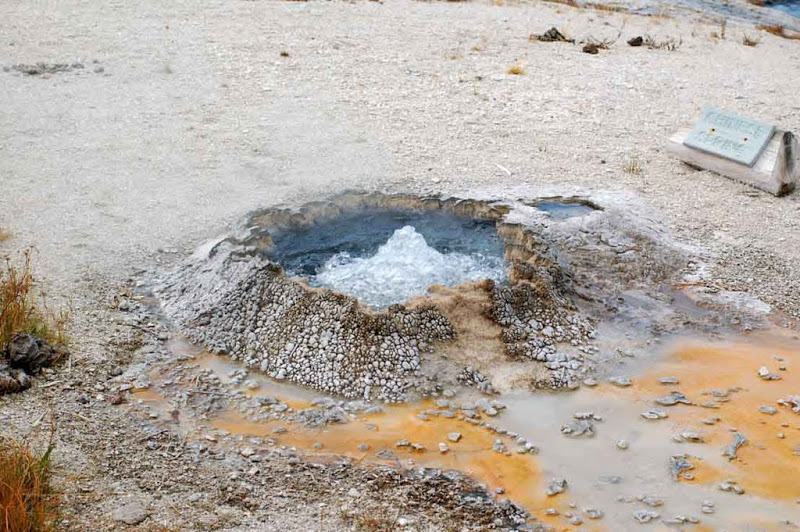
(557, 485)
(678, 464)
(769, 410)
(792, 402)
(645, 516)
(651, 501)
(731, 486)
(621, 381)
(578, 428)
(593, 513)
(691, 436)
(673, 399)
(454, 436)
(732, 449)
(654, 413)
(669, 380)
(131, 513)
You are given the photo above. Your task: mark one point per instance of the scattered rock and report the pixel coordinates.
(454, 436)
(654, 413)
(731, 486)
(636, 41)
(622, 445)
(731, 450)
(587, 415)
(792, 402)
(557, 485)
(764, 373)
(678, 464)
(131, 513)
(691, 437)
(651, 501)
(31, 354)
(443, 448)
(673, 399)
(622, 382)
(645, 516)
(593, 513)
(581, 427)
(769, 410)
(551, 35)
(591, 48)
(247, 452)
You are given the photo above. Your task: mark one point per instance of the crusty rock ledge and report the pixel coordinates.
(234, 300)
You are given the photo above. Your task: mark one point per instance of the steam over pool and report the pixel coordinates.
(404, 267)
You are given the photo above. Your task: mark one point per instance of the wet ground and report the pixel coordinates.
(622, 467)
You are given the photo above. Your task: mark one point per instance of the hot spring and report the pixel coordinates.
(387, 257)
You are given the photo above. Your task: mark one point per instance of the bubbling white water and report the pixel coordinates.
(404, 267)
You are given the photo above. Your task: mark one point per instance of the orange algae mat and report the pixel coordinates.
(725, 374)
(769, 464)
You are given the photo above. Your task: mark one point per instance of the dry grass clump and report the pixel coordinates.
(517, 70)
(4, 235)
(669, 44)
(22, 311)
(28, 501)
(570, 3)
(750, 41)
(634, 166)
(780, 31)
(606, 7)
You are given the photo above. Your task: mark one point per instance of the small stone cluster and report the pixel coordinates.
(25, 355)
(536, 319)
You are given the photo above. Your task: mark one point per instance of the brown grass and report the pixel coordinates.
(750, 41)
(634, 166)
(780, 31)
(23, 311)
(607, 8)
(28, 502)
(570, 3)
(669, 44)
(4, 235)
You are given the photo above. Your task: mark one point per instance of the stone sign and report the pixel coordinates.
(730, 136)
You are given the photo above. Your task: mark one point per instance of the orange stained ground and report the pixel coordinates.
(768, 465)
(518, 475)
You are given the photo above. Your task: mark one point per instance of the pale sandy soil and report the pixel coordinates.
(197, 118)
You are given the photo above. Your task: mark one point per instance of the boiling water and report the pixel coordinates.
(388, 256)
(404, 267)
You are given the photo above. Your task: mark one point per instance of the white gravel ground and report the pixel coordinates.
(197, 118)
